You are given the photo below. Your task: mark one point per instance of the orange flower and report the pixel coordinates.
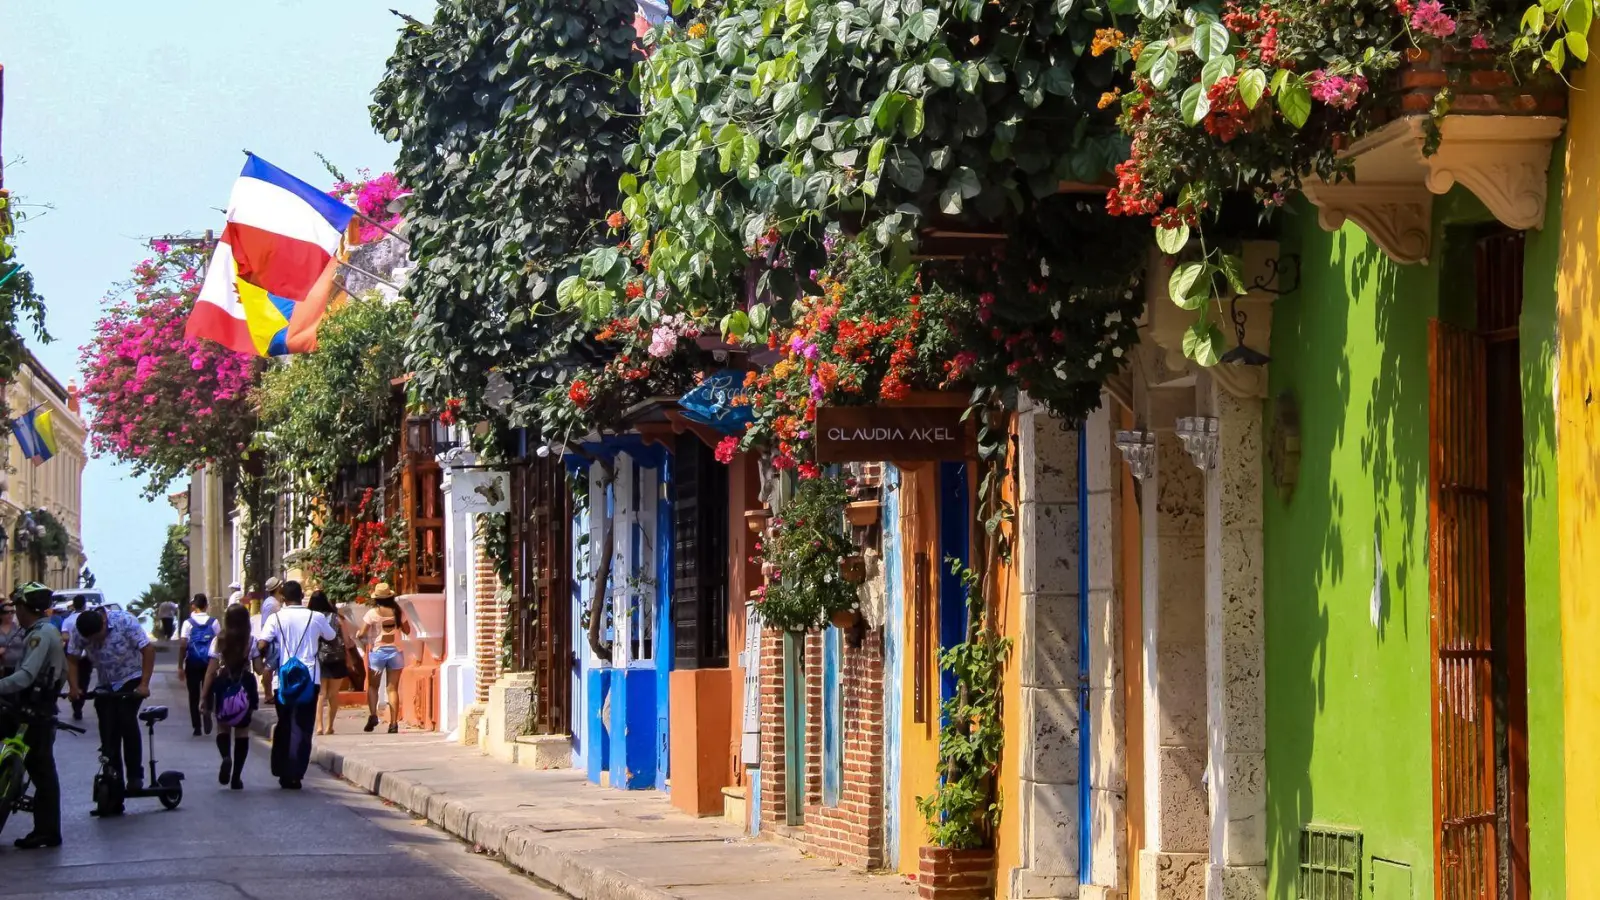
(697, 30)
(1110, 97)
(1106, 39)
(615, 220)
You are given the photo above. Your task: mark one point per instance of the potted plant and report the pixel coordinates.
(803, 558)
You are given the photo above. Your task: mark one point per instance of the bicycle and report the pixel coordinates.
(14, 796)
(110, 788)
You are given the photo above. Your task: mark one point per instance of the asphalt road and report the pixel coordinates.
(326, 842)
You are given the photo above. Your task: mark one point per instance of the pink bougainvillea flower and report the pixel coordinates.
(1480, 41)
(1430, 18)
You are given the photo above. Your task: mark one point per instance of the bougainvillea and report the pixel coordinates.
(371, 197)
(158, 401)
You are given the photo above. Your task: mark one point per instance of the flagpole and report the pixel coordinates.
(372, 275)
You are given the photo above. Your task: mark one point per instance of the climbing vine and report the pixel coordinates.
(803, 555)
(21, 307)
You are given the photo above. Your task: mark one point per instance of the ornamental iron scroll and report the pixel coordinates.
(1199, 436)
(1139, 450)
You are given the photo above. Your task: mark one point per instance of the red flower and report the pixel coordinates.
(579, 394)
(809, 470)
(634, 290)
(615, 220)
(726, 448)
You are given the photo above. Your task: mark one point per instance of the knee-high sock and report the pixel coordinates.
(222, 744)
(241, 749)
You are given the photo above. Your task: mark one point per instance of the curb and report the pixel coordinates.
(515, 845)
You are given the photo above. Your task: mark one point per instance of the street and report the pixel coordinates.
(328, 841)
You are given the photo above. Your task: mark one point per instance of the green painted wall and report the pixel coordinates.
(1348, 730)
(1546, 734)
(1348, 726)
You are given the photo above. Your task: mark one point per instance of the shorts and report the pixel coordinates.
(386, 658)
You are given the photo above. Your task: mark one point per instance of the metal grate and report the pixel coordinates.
(1330, 864)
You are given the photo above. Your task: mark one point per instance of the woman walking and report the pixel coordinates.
(13, 637)
(230, 693)
(335, 658)
(381, 630)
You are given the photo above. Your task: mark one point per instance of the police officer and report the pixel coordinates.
(35, 686)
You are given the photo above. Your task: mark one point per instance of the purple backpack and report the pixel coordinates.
(233, 703)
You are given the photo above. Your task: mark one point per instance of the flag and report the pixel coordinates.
(36, 435)
(271, 275)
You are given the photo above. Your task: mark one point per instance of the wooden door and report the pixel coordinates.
(700, 557)
(1465, 841)
(541, 587)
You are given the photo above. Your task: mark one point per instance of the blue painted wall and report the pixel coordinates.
(894, 644)
(664, 636)
(832, 715)
(954, 543)
(597, 755)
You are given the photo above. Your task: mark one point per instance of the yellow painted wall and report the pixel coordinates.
(919, 741)
(1578, 455)
(1008, 621)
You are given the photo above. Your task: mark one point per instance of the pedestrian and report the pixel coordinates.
(270, 604)
(335, 657)
(13, 638)
(230, 693)
(67, 624)
(381, 630)
(125, 659)
(297, 632)
(194, 656)
(35, 685)
(167, 612)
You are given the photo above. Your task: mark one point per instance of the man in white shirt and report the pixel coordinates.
(83, 664)
(297, 633)
(194, 655)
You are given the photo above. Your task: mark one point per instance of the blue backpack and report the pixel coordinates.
(295, 687)
(198, 650)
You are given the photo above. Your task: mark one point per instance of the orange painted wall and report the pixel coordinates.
(919, 741)
(1008, 621)
(699, 704)
(743, 576)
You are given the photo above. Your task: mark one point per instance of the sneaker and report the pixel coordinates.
(37, 842)
(394, 729)
(372, 723)
(236, 785)
(197, 732)
(225, 774)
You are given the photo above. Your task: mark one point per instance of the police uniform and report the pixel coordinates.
(37, 684)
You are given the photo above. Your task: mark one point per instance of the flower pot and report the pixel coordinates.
(862, 513)
(845, 619)
(944, 874)
(1478, 86)
(853, 569)
(756, 520)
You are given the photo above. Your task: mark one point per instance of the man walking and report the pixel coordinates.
(298, 633)
(35, 685)
(126, 659)
(194, 655)
(167, 612)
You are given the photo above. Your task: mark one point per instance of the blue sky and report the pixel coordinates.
(128, 119)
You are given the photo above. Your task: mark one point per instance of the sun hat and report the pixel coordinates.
(382, 591)
(274, 583)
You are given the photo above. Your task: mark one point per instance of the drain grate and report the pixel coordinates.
(1330, 863)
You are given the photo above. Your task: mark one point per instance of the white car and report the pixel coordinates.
(93, 598)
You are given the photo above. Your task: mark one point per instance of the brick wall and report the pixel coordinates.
(852, 832)
(491, 615)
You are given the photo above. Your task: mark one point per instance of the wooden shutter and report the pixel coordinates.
(700, 557)
(1463, 695)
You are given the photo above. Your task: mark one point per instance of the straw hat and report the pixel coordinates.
(274, 583)
(382, 591)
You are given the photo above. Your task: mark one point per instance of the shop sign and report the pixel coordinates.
(891, 433)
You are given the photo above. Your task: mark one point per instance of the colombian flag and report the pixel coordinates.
(271, 276)
(36, 435)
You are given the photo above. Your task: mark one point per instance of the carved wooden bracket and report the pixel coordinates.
(1503, 160)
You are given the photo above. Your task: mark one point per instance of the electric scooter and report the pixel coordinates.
(109, 788)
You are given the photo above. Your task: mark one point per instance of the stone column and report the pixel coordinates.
(1047, 560)
(1177, 825)
(1108, 771)
(457, 675)
(1235, 682)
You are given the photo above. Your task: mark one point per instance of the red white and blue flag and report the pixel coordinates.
(271, 276)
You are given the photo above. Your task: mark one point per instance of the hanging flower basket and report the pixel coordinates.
(853, 569)
(1475, 83)
(845, 619)
(862, 513)
(756, 520)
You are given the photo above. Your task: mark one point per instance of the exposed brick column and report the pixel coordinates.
(774, 806)
(491, 616)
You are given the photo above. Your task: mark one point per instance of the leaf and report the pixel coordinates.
(924, 25)
(795, 10)
(940, 71)
(1194, 104)
(950, 202)
(911, 120)
(1578, 44)
(1294, 101)
(1279, 79)
(628, 184)
(886, 110)
(570, 291)
(1252, 84)
(1058, 81)
(1190, 285)
(1163, 67)
(1218, 68)
(1202, 342)
(688, 162)
(875, 156)
(1577, 15)
(1233, 269)
(966, 181)
(1211, 40)
(759, 317)
(735, 324)
(728, 148)
(1172, 240)
(1533, 19)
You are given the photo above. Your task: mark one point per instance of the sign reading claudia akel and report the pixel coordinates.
(894, 434)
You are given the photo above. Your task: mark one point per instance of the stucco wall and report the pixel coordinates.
(1348, 725)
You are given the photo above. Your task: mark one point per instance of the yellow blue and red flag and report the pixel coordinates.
(271, 275)
(36, 435)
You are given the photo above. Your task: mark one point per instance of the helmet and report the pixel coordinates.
(33, 596)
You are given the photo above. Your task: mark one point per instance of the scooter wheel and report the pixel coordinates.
(171, 798)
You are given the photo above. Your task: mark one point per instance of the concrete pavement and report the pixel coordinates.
(328, 842)
(592, 843)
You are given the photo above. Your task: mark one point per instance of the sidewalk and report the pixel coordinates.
(590, 842)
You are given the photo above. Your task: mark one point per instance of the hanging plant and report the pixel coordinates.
(803, 552)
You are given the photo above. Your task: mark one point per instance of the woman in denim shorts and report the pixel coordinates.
(381, 630)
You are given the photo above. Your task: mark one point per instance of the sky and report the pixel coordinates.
(127, 120)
